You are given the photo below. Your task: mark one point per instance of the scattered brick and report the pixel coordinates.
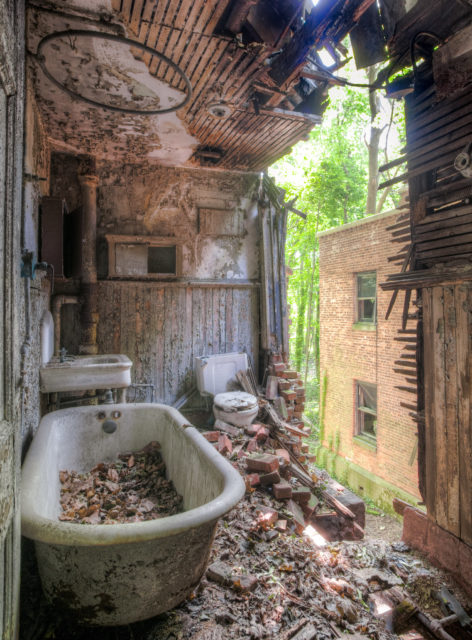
(282, 490)
(291, 374)
(224, 444)
(264, 462)
(279, 367)
(300, 391)
(283, 453)
(270, 478)
(307, 510)
(296, 447)
(220, 572)
(252, 445)
(302, 495)
(252, 429)
(245, 583)
(281, 525)
(305, 448)
(288, 395)
(266, 517)
(284, 384)
(298, 517)
(262, 434)
(211, 436)
(253, 479)
(227, 428)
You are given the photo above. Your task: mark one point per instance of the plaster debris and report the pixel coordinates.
(132, 489)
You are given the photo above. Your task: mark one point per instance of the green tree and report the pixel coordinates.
(329, 176)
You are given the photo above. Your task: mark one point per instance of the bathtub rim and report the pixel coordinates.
(52, 531)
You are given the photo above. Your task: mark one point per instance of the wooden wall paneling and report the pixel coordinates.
(158, 307)
(452, 399)
(254, 330)
(162, 327)
(188, 343)
(222, 317)
(463, 305)
(197, 322)
(208, 321)
(430, 440)
(439, 406)
(215, 321)
(229, 328)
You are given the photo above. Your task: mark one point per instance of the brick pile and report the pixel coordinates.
(273, 456)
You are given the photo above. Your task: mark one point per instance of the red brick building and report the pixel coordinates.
(368, 439)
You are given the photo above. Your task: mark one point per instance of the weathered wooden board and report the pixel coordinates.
(447, 351)
(161, 327)
(463, 307)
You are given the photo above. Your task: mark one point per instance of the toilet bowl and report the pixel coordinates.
(216, 376)
(235, 407)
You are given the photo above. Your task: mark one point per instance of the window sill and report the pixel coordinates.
(364, 326)
(365, 442)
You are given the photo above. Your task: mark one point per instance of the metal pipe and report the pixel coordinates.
(57, 304)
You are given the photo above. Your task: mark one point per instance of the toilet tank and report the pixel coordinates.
(215, 372)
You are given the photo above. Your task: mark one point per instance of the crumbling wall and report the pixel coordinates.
(213, 307)
(36, 185)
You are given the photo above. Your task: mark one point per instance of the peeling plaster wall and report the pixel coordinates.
(159, 201)
(111, 73)
(214, 306)
(36, 185)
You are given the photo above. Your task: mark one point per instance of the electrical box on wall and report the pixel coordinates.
(53, 232)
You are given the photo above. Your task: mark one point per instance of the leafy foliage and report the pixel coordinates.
(328, 175)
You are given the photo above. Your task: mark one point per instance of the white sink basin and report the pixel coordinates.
(80, 373)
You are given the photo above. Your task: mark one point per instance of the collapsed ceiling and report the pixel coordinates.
(240, 81)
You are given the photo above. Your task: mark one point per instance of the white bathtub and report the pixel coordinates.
(121, 573)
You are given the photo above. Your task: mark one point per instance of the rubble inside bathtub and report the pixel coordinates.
(134, 488)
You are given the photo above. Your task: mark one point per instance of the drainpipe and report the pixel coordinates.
(59, 301)
(89, 315)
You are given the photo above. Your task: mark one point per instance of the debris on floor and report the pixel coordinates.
(290, 561)
(134, 488)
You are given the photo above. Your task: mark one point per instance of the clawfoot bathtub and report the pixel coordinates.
(120, 573)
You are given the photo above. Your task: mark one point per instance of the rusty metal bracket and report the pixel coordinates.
(40, 59)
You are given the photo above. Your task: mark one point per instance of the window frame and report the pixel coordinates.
(361, 410)
(359, 299)
(145, 241)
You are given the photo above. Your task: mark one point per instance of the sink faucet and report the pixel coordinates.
(62, 354)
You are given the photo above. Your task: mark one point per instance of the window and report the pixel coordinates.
(366, 297)
(366, 411)
(143, 257)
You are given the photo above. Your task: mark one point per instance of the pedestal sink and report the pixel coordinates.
(81, 373)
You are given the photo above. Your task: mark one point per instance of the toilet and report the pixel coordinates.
(235, 407)
(216, 377)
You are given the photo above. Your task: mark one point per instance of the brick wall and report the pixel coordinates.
(349, 354)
